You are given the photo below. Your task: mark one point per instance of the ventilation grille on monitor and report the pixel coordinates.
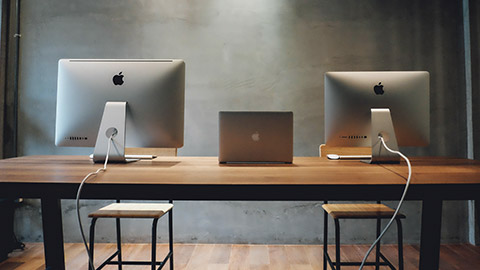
(76, 138)
(352, 137)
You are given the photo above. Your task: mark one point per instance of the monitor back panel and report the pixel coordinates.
(264, 137)
(153, 89)
(349, 96)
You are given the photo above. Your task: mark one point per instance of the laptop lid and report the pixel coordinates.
(265, 137)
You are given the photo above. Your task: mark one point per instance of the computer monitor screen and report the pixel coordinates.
(153, 89)
(349, 96)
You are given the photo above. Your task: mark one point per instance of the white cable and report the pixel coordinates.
(399, 204)
(79, 191)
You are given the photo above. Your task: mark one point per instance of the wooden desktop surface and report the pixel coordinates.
(53, 178)
(207, 171)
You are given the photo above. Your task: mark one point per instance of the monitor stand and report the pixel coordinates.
(382, 125)
(113, 123)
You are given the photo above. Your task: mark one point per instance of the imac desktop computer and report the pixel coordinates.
(136, 103)
(361, 106)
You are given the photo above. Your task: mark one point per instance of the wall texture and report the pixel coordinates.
(248, 55)
(475, 52)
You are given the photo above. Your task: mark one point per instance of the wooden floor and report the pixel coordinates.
(223, 256)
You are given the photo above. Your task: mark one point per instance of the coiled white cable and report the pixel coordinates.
(79, 191)
(399, 203)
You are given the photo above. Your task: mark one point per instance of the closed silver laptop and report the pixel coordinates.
(251, 137)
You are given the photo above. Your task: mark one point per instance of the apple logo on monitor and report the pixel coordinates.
(256, 136)
(378, 89)
(118, 79)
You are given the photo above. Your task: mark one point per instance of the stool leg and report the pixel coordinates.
(92, 242)
(325, 237)
(119, 243)
(170, 235)
(337, 244)
(377, 255)
(400, 244)
(154, 242)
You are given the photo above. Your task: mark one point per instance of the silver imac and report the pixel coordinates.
(360, 106)
(140, 101)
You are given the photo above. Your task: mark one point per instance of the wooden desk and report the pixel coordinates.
(52, 178)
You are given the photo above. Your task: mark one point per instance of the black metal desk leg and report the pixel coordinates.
(430, 234)
(325, 237)
(170, 235)
(52, 234)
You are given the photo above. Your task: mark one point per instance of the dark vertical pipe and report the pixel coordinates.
(15, 83)
(12, 53)
(5, 43)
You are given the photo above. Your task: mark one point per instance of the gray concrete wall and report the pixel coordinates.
(248, 55)
(475, 54)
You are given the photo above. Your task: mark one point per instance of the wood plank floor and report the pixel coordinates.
(239, 257)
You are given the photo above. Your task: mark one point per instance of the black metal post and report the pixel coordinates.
(53, 233)
(430, 234)
(170, 234)
(92, 244)
(325, 237)
(377, 250)
(119, 243)
(337, 245)
(154, 242)
(400, 244)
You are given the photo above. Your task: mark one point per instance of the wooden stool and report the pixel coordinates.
(360, 211)
(134, 210)
(376, 211)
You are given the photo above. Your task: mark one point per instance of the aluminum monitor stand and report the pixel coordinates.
(113, 122)
(382, 125)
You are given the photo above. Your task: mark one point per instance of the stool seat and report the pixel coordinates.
(132, 210)
(353, 211)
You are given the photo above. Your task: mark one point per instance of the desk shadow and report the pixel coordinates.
(153, 163)
(392, 171)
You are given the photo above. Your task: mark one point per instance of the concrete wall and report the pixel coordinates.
(475, 52)
(248, 55)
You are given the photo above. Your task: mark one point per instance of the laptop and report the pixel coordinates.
(255, 137)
